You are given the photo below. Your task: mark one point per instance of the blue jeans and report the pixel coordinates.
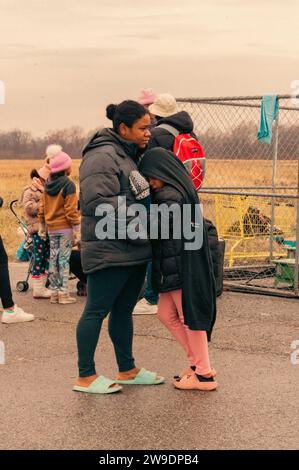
(150, 295)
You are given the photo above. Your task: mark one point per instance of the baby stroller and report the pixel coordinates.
(23, 286)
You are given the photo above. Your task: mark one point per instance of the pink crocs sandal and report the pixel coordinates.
(191, 382)
(190, 371)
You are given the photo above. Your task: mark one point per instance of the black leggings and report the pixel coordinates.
(113, 290)
(5, 289)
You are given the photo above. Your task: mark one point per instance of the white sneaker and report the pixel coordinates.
(143, 307)
(17, 316)
(39, 290)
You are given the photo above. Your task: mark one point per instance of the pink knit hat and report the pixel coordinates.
(60, 162)
(44, 171)
(147, 96)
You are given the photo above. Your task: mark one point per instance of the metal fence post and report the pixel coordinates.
(274, 172)
(296, 269)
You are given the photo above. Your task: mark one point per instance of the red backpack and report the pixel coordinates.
(190, 152)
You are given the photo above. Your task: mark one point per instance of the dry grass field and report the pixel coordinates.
(14, 176)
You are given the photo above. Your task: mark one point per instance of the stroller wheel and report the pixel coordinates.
(22, 286)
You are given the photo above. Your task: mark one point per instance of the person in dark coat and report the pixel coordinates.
(150, 298)
(164, 105)
(115, 264)
(11, 312)
(183, 276)
(166, 111)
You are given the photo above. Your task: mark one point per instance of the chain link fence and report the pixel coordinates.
(251, 190)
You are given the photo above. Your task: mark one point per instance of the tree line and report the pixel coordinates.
(18, 144)
(239, 143)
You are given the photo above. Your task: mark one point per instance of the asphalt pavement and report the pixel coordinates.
(255, 407)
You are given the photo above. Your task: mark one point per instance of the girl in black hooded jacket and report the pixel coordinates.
(182, 272)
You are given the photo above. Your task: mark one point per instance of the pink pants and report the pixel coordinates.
(195, 343)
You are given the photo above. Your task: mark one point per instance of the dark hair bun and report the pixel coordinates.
(110, 111)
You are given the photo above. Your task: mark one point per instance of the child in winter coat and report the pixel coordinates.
(31, 200)
(59, 216)
(183, 276)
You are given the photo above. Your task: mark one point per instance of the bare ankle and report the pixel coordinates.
(128, 373)
(86, 381)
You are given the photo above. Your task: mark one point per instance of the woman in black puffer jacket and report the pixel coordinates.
(182, 269)
(115, 264)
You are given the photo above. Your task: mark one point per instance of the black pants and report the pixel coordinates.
(76, 266)
(113, 290)
(5, 289)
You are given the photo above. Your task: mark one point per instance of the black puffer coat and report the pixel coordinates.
(167, 266)
(162, 138)
(104, 177)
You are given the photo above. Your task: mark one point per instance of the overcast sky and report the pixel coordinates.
(63, 61)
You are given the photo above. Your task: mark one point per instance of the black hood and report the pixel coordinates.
(53, 186)
(109, 137)
(163, 164)
(181, 121)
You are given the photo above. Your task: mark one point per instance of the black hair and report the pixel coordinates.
(34, 174)
(128, 112)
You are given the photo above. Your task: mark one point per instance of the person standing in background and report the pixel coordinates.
(30, 200)
(149, 302)
(11, 312)
(60, 218)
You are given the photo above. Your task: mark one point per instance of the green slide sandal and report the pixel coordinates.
(100, 385)
(144, 377)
